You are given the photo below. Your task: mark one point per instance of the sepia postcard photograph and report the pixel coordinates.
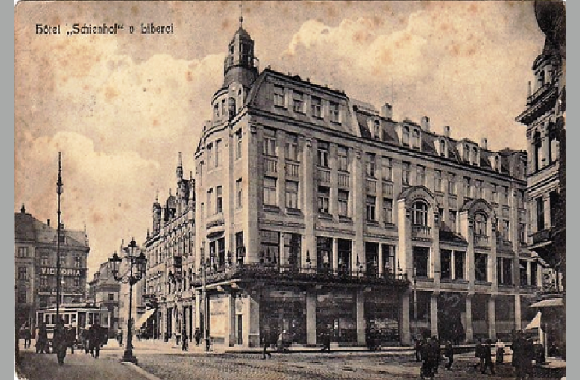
(224, 190)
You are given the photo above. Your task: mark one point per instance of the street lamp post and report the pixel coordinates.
(204, 264)
(139, 262)
(415, 300)
(59, 191)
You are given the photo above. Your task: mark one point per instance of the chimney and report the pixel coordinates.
(48, 222)
(446, 131)
(23, 209)
(425, 123)
(484, 143)
(529, 88)
(387, 111)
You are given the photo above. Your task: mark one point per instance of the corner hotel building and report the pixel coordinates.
(312, 212)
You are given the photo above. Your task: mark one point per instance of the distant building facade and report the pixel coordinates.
(104, 291)
(313, 213)
(35, 256)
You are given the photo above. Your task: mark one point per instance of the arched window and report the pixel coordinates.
(480, 224)
(419, 215)
(442, 148)
(232, 108)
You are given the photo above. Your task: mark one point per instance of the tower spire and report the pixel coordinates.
(241, 15)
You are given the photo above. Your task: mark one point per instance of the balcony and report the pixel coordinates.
(343, 180)
(481, 240)
(421, 231)
(271, 166)
(539, 93)
(294, 274)
(292, 170)
(324, 175)
(542, 236)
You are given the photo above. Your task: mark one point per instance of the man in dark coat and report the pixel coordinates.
(479, 354)
(266, 343)
(197, 336)
(449, 355)
(60, 341)
(428, 359)
(418, 344)
(487, 362)
(42, 339)
(27, 335)
(96, 337)
(518, 356)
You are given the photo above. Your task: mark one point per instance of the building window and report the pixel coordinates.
(478, 187)
(269, 143)
(217, 153)
(553, 146)
(76, 282)
(292, 194)
(44, 259)
(505, 230)
(466, 153)
(406, 172)
(416, 139)
(452, 188)
(506, 194)
(466, 187)
(209, 149)
(316, 105)
(219, 200)
(459, 265)
(523, 273)
(442, 148)
(216, 110)
(445, 264)
(322, 151)
(343, 158)
(537, 151)
(371, 164)
(342, 203)
(420, 175)
(323, 199)
(554, 198)
(504, 271)
(323, 253)
(78, 261)
(421, 261)
(419, 216)
(22, 252)
(388, 210)
(279, 96)
(111, 296)
(377, 130)
(223, 107)
(474, 156)
(480, 224)
(239, 193)
(405, 136)
(522, 232)
(21, 295)
(534, 274)
(453, 220)
(494, 197)
(292, 250)
(387, 169)
(238, 144)
(43, 281)
(22, 273)
(438, 180)
(540, 213)
(209, 196)
(270, 191)
(298, 102)
(371, 205)
(269, 247)
(480, 267)
(292, 147)
(334, 112)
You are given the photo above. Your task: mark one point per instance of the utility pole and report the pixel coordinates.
(58, 192)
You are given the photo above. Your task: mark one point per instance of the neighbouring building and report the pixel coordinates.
(313, 213)
(104, 292)
(544, 118)
(35, 257)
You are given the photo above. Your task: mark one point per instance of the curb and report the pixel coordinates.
(141, 371)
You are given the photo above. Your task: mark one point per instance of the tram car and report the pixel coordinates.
(78, 318)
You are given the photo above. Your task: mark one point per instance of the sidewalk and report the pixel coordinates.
(76, 366)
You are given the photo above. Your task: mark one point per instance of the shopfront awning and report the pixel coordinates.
(554, 302)
(143, 318)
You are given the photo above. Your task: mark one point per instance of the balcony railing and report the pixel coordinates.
(324, 175)
(343, 180)
(541, 236)
(294, 273)
(421, 231)
(292, 170)
(271, 166)
(481, 240)
(539, 92)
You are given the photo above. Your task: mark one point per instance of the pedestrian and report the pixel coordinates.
(27, 335)
(96, 336)
(184, 345)
(499, 351)
(528, 357)
(197, 336)
(42, 339)
(418, 344)
(428, 359)
(59, 341)
(436, 354)
(120, 337)
(266, 343)
(487, 361)
(479, 354)
(518, 356)
(326, 341)
(448, 355)
(71, 338)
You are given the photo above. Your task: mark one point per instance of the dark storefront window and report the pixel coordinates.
(323, 254)
(459, 265)
(372, 258)
(292, 250)
(421, 261)
(480, 267)
(344, 255)
(269, 247)
(445, 264)
(389, 258)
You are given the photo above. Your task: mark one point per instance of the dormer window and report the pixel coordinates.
(466, 153)
(377, 129)
(334, 112)
(416, 139)
(442, 148)
(316, 105)
(298, 102)
(405, 136)
(279, 96)
(474, 157)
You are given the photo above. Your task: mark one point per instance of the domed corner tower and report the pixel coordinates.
(240, 63)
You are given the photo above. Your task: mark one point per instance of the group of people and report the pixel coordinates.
(483, 353)
(428, 351)
(523, 356)
(92, 340)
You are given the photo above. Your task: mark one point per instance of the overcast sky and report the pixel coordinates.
(121, 107)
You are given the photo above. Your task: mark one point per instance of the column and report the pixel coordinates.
(547, 211)
(333, 163)
(404, 323)
(335, 255)
(518, 311)
(491, 317)
(360, 318)
(529, 273)
(281, 169)
(359, 195)
(197, 319)
(310, 319)
(381, 260)
(545, 147)
(308, 179)
(433, 310)
(453, 275)
(468, 319)
(229, 321)
(283, 260)
(250, 196)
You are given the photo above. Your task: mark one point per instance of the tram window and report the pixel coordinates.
(53, 319)
(73, 318)
(97, 318)
(66, 319)
(91, 320)
(47, 318)
(105, 320)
